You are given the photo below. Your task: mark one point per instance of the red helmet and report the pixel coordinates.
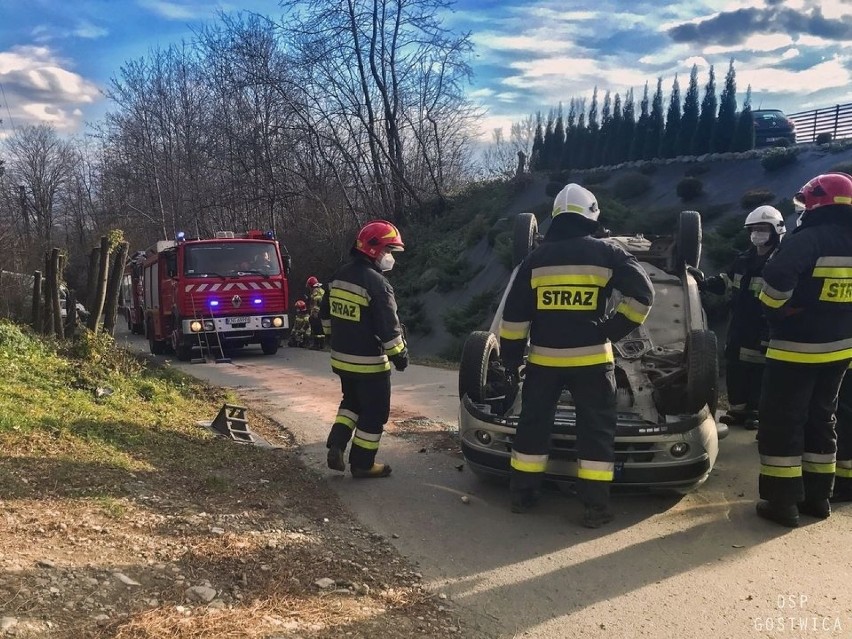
(824, 190)
(301, 306)
(377, 236)
(312, 281)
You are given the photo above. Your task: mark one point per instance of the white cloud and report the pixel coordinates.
(39, 88)
(789, 54)
(698, 61)
(756, 42)
(831, 74)
(172, 10)
(83, 29)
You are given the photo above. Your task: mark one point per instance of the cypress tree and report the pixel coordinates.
(593, 136)
(744, 135)
(581, 136)
(558, 140)
(637, 150)
(723, 133)
(569, 157)
(689, 120)
(605, 134)
(613, 150)
(707, 120)
(538, 145)
(628, 127)
(654, 134)
(547, 149)
(669, 148)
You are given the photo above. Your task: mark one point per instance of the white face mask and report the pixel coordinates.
(386, 262)
(760, 238)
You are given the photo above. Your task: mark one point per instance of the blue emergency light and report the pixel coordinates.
(214, 302)
(257, 300)
(270, 235)
(181, 236)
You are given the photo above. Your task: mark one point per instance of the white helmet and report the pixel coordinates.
(767, 215)
(575, 199)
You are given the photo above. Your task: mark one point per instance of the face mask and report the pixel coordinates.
(386, 262)
(760, 238)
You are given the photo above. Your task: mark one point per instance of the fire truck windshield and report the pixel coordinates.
(230, 258)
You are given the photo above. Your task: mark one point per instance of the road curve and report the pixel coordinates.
(692, 567)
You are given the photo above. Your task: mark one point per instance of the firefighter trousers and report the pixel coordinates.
(362, 415)
(843, 471)
(593, 391)
(743, 381)
(796, 438)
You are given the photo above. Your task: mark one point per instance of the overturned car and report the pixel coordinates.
(666, 372)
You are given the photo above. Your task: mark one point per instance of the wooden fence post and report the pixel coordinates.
(92, 279)
(100, 295)
(47, 323)
(36, 307)
(114, 287)
(58, 328)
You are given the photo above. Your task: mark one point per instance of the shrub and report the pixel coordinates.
(476, 230)
(412, 313)
(503, 249)
(595, 177)
(689, 188)
(563, 177)
(786, 207)
(648, 169)
(696, 170)
(756, 197)
(782, 143)
(778, 158)
(842, 167)
(461, 321)
(631, 185)
(553, 188)
(823, 138)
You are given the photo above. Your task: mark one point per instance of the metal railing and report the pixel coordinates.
(836, 120)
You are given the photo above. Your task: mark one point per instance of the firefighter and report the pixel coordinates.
(301, 326)
(359, 314)
(747, 330)
(807, 293)
(843, 470)
(315, 293)
(559, 298)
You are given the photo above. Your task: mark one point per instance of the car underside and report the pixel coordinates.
(666, 373)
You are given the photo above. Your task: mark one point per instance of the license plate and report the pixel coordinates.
(236, 320)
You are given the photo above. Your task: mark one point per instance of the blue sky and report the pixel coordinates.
(56, 56)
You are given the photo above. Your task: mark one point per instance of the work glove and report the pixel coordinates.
(698, 274)
(400, 360)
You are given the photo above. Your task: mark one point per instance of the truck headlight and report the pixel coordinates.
(195, 327)
(209, 325)
(266, 322)
(278, 322)
(679, 450)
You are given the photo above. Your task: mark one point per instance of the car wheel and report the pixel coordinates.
(702, 371)
(476, 375)
(523, 237)
(183, 351)
(688, 242)
(157, 347)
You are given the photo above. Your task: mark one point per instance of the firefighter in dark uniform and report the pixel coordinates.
(807, 292)
(748, 330)
(843, 470)
(559, 299)
(314, 295)
(359, 314)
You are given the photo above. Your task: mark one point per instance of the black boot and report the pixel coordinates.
(784, 514)
(335, 459)
(523, 500)
(597, 516)
(819, 508)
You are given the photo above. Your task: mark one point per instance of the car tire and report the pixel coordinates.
(702, 371)
(688, 241)
(524, 235)
(157, 347)
(480, 351)
(183, 351)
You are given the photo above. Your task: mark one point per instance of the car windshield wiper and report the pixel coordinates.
(206, 274)
(252, 271)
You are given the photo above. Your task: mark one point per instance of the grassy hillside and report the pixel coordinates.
(457, 263)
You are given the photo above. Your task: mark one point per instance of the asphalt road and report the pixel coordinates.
(697, 566)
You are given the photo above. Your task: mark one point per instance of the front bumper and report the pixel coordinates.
(643, 451)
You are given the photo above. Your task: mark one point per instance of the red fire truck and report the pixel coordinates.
(213, 294)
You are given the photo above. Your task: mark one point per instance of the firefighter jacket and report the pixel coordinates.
(559, 299)
(748, 331)
(359, 313)
(807, 290)
(301, 325)
(315, 298)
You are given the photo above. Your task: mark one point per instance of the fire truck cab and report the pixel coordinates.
(215, 294)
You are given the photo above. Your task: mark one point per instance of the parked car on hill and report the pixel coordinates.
(666, 372)
(771, 126)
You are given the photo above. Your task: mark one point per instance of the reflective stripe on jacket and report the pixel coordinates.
(360, 314)
(559, 299)
(807, 291)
